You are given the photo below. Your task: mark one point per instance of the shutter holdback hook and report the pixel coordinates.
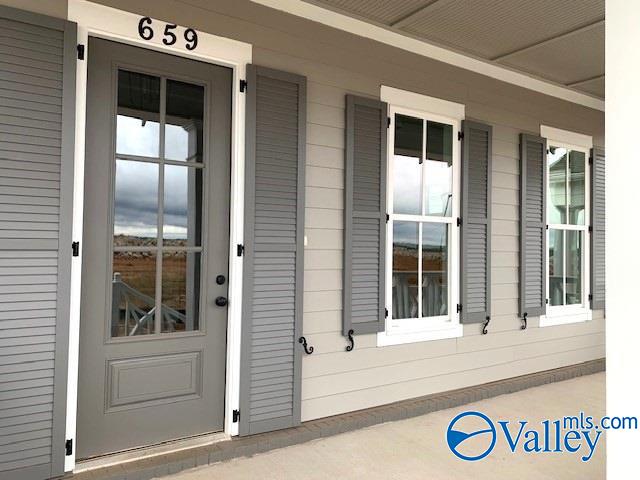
(350, 336)
(484, 327)
(308, 350)
(524, 321)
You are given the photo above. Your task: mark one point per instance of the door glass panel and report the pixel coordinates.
(574, 267)
(405, 270)
(138, 212)
(576, 187)
(182, 206)
(557, 204)
(439, 169)
(435, 249)
(134, 290)
(180, 291)
(136, 204)
(556, 267)
(138, 127)
(184, 121)
(407, 160)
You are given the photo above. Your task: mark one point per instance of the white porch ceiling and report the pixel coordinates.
(557, 40)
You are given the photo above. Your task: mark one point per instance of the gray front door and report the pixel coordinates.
(155, 249)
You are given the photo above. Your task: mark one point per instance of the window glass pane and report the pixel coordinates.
(134, 290)
(576, 187)
(574, 267)
(556, 267)
(180, 291)
(435, 248)
(183, 128)
(405, 270)
(407, 170)
(557, 201)
(137, 131)
(182, 206)
(408, 136)
(439, 169)
(136, 204)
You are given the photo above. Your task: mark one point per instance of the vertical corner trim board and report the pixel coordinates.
(37, 125)
(273, 266)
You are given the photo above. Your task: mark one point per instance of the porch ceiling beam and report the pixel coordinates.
(586, 80)
(416, 14)
(547, 41)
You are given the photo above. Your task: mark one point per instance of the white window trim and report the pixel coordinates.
(567, 314)
(434, 328)
(121, 26)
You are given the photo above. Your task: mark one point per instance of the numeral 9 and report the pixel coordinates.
(191, 37)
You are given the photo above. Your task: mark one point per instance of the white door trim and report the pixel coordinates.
(112, 24)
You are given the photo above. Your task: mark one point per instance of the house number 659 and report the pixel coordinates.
(169, 37)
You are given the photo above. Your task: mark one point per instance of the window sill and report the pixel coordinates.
(561, 318)
(398, 338)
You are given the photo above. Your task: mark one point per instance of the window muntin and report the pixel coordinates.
(422, 204)
(567, 218)
(158, 206)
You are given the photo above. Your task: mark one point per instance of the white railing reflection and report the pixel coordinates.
(129, 315)
(405, 293)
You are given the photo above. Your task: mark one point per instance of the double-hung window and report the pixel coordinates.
(422, 234)
(567, 266)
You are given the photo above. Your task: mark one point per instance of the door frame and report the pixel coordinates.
(121, 26)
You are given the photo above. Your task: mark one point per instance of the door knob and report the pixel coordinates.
(221, 301)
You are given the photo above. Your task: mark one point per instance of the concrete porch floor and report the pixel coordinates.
(416, 448)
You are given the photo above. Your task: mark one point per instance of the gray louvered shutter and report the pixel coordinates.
(274, 250)
(597, 229)
(533, 235)
(37, 125)
(475, 288)
(364, 215)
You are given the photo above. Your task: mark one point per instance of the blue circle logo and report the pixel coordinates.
(471, 425)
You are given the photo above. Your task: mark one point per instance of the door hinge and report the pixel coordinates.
(243, 85)
(75, 248)
(236, 416)
(240, 250)
(388, 122)
(590, 297)
(68, 447)
(459, 308)
(460, 135)
(590, 228)
(386, 313)
(80, 49)
(458, 221)
(387, 218)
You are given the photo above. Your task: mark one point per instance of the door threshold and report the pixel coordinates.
(151, 451)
